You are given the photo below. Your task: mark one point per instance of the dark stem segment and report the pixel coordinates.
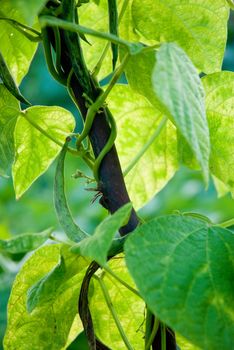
(111, 182)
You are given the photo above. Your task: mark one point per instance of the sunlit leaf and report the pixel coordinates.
(35, 151)
(18, 57)
(185, 273)
(50, 323)
(137, 120)
(129, 308)
(203, 36)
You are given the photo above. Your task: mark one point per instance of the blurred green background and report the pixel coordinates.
(34, 211)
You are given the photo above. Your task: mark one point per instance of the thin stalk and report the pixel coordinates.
(163, 336)
(146, 146)
(18, 24)
(148, 326)
(71, 150)
(153, 334)
(227, 223)
(97, 68)
(77, 28)
(113, 312)
(126, 285)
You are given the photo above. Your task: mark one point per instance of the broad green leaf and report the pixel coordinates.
(96, 247)
(184, 344)
(28, 9)
(41, 292)
(9, 82)
(17, 50)
(34, 152)
(185, 273)
(199, 27)
(49, 325)
(178, 86)
(219, 109)
(129, 307)
(24, 242)
(9, 110)
(219, 90)
(138, 119)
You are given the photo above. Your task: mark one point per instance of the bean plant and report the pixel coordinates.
(163, 284)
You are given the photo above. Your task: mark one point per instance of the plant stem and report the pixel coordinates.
(153, 334)
(113, 312)
(133, 290)
(163, 336)
(146, 146)
(227, 223)
(72, 27)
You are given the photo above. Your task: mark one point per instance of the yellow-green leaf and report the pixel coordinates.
(137, 120)
(199, 27)
(9, 111)
(16, 49)
(34, 151)
(50, 323)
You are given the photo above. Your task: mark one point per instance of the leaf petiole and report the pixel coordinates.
(113, 312)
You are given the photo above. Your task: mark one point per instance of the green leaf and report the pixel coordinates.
(203, 36)
(34, 151)
(159, 162)
(187, 277)
(129, 307)
(46, 327)
(28, 9)
(42, 290)
(8, 81)
(17, 50)
(9, 111)
(97, 246)
(24, 242)
(179, 88)
(219, 105)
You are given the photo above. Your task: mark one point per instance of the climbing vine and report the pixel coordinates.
(161, 284)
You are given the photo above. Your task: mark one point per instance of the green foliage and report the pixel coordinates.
(25, 242)
(97, 246)
(16, 49)
(50, 296)
(9, 107)
(178, 87)
(166, 116)
(129, 308)
(31, 133)
(203, 36)
(190, 287)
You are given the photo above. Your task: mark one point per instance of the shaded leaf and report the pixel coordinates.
(9, 111)
(28, 9)
(187, 277)
(179, 88)
(34, 152)
(25, 242)
(96, 247)
(8, 81)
